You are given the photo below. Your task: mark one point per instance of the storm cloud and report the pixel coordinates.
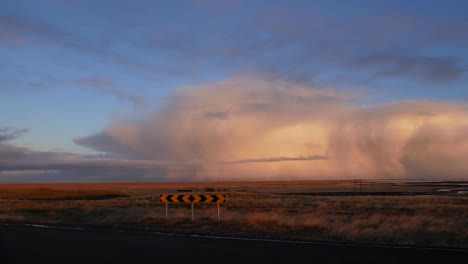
(279, 130)
(257, 129)
(9, 133)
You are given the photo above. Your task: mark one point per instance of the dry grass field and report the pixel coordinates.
(59, 194)
(378, 212)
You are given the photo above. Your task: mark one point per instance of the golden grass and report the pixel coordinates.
(429, 220)
(426, 220)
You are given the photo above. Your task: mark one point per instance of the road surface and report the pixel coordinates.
(32, 244)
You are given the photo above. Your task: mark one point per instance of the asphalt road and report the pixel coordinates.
(28, 244)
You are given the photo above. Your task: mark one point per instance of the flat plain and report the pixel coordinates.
(387, 212)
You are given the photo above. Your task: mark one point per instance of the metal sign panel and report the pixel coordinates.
(192, 198)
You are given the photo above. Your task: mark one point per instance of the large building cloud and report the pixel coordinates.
(245, 129)
(252, 129)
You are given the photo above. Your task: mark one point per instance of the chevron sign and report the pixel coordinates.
(192, 198)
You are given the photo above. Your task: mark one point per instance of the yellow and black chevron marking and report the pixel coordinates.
(192, 198)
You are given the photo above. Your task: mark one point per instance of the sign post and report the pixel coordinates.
(166, 211)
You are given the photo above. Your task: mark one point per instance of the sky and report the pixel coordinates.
(205, 90)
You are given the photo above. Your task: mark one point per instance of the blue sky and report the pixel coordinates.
(72, 69)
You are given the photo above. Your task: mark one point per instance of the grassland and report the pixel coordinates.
(423, 214)
(59, 194)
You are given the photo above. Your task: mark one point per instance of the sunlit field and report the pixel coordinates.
(378, 212)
